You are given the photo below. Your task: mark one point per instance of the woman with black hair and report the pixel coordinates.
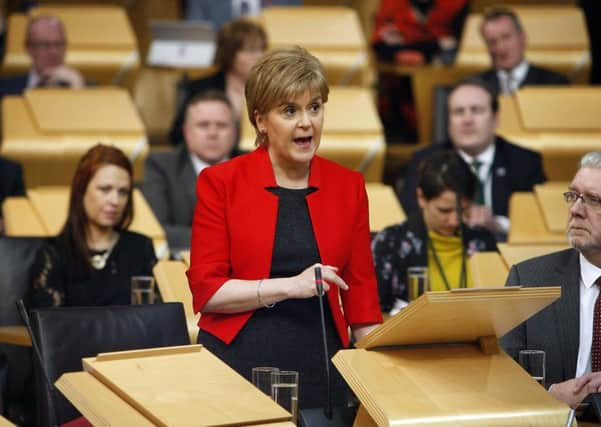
(436, 237)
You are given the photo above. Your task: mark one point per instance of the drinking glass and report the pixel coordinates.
(417, 282)
(533, 362)
(142, 290)
(261, 378)
(284, 390)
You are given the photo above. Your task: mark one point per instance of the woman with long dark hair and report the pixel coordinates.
(92, 260)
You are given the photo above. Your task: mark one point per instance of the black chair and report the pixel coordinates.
(66, 334)
(440, 113)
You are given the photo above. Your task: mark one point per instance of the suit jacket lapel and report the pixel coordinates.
(568, 312)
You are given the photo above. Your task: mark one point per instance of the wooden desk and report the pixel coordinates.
(48, 130)
(553, 206)
(4, 422)
(16, 335)
(515, 253)
(384, 207)
(44, 211)
(558, 122)
(488, 269)
(527, 224)
(556, 38)
(331, 33)
(352, 134)
(101, 43)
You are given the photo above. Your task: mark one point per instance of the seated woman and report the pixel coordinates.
(240, 44)
(435, 237)
(92, 260)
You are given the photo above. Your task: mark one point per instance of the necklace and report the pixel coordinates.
(98, 261)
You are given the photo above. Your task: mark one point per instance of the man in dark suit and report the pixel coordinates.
(565, 330)
(170, 177)
(501, 167)
(11, 183)
(506, 43)
(46, 44)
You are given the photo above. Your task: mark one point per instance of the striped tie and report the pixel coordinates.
(596, 346)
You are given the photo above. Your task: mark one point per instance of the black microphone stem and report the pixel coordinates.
(320, 294)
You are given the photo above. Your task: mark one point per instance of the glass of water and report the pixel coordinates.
(417, 282)
(142, 290)
(284, 391)
(261, 378)
(533, 362)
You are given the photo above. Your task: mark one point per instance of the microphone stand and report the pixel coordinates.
(38, 357)
(320, 294)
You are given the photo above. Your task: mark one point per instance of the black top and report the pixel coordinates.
(54, 284)
(288, 336)
(11, 179)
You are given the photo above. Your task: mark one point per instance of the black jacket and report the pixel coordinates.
(514, 169)
(11, 180)
(535, 76)
(401, 246)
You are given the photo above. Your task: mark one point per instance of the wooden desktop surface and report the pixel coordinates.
(16, 335)
(488, 269)
(48, 130)
(527, 222)
(332, 33)
(384, 206)
(553, 207)
(515, 253)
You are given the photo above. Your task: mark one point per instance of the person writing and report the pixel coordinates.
(434, 237)
(265, 220)
(92, 260)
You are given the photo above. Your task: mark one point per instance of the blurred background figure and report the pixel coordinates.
(412, 32)
(222, 11)
(505, 41)
(209, 131)
(92, 260)
(240, 44)
(46, 45)
(434, 237)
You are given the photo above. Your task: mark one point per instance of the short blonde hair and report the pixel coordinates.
(280, 76)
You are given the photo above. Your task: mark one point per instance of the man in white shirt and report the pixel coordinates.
(501, 167)
(566, 329)
(46, 45)
(505, 41)
(170, 177)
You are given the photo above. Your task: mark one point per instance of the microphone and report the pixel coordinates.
(320, 293)
(38, 357)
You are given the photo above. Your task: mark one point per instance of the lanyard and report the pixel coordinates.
(462, 275)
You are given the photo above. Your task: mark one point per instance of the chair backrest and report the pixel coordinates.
(440, 113)
(66, 334)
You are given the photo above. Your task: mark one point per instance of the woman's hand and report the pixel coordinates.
(304, 286)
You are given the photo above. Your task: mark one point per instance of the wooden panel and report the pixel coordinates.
(163, 384)
(447, 386)
(552, 205)
(84, 110)
(384, 207)
(20, 218)
(4, 422)
(173, 284)
(527, 223)
(560, 109)
(460, 315)
(488, 269)
(513, 254)
(16, 335)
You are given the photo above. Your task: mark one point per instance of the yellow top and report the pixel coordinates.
(448, 250)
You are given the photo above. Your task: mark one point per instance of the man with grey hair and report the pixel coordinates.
(569, 330)
(46, 45)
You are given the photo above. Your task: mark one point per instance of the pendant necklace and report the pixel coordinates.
(98, 261)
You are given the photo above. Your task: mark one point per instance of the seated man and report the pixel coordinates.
(501, 167)
(505, 40)
(46, 44)
(568, 330)
(170, 177)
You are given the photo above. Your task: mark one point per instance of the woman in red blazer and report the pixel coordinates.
(265, 220)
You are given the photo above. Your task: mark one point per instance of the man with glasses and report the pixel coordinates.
(569, 330)
(46, 45)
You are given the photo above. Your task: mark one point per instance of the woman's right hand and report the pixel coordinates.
(303, 285)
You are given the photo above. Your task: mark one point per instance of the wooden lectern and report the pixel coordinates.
(438, 363)
(171, 386)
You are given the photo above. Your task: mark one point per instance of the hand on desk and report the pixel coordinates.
(61, 76)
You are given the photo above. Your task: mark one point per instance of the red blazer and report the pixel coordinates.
(234, 229)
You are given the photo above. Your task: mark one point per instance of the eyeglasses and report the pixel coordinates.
(47, 45)
(589, 200)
